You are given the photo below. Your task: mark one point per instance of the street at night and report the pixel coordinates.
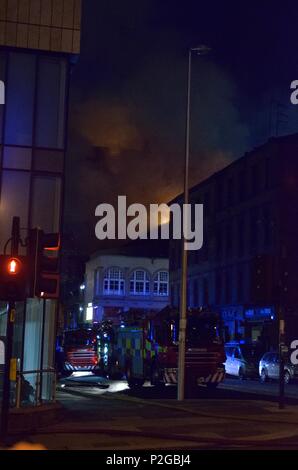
(147, 419)
(231, 388)
(148, 232)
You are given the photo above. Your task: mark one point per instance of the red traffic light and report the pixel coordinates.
(14, 266)
(13, 278)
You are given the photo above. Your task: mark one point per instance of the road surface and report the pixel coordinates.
(231, 388)
(106, 415)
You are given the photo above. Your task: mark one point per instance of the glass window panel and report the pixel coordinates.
(161, 284)
(12, 202)
(17, 158)
(140, 275)
(49, 160)
(33, 335)
(46, 203)
(139, 282)
(112, 282)
(48, 386)
(50, 119)
(164, 289)
(139, 286)
(49, 334)
(20, 99)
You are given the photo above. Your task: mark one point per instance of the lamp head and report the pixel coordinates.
(201, 49)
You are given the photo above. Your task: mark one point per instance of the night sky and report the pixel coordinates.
(128, 96)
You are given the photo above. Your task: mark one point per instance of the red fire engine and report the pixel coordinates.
(80, 350)
(148, 349)
(90, 349)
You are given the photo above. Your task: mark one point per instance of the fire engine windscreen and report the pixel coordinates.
(199, 331)
(79, 338)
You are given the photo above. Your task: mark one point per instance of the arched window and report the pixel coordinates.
(161, 283)
(113, 283)
(139, 283)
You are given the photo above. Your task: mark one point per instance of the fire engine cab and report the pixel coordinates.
(148, 349)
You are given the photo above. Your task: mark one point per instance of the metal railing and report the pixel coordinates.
(34, 387)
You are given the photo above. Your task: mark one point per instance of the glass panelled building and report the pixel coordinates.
(39, 43)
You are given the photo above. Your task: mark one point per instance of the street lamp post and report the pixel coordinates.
(200, 50)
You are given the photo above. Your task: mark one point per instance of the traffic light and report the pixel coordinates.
(14, 273)
(45, 272)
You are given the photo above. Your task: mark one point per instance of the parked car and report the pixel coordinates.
(269, 368)
(241, 361)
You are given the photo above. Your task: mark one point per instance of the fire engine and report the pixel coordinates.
(91, 350)
(80, 350)
(148, 349)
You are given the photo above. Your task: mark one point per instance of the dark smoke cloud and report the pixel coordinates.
(132, 143)
(128, 101)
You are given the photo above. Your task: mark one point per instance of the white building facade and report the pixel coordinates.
(116, 284)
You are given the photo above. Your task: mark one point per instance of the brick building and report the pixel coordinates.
(248, 265)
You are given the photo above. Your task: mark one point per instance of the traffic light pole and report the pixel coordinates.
(8, 356)
(15, 237)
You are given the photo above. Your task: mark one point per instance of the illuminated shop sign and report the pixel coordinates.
(261, 313)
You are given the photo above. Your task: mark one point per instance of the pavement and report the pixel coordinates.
(102, 415)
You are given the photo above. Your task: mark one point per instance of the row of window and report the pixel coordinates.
(37, 159)
(235, 189)
(139, 282)
(238, 237)
(244, 185)
(225, 288)
(247, 234)
(35, 100)
(32, 134)
(37, 201)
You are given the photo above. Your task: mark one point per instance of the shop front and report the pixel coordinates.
(250, 323)
(261, 327)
